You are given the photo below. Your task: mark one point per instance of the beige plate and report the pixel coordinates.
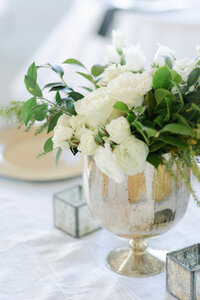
(18, 152)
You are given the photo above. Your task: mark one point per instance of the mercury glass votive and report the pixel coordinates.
(71, 213)
(183, 273)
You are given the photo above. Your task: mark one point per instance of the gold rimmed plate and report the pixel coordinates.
(18, 158)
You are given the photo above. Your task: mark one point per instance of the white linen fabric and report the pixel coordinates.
(40, 262)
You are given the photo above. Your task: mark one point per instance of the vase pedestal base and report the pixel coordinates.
(136, 262)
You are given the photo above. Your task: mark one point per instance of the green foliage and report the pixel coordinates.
(193, 76)
(13, 112)
(48, 146)
(73, 61)
(53, 121)
(162, 78)
(27, 110)
(175, 128)
(154, 159)
(97, 70)
(58, 154)
(121, 106)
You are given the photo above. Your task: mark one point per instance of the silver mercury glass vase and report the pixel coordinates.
(145, 205)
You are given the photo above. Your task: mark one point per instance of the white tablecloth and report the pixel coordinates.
(38, 261)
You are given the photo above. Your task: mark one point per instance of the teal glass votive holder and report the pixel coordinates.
(71, 213)
(183, 273)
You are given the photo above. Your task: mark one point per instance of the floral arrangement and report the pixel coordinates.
(129, 114)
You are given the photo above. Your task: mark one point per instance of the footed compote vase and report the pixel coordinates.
(143, 206)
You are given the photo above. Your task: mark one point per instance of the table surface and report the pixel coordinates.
(38, 261)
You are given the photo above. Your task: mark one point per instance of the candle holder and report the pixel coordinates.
(183, 273)
(71, 213)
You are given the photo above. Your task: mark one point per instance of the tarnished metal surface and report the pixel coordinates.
(143, 206)
(183, 273)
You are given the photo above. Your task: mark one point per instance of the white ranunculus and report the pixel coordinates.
(87, 143)
(164, 51)
(134, 58)
(184, 67)
(130, 88)
(96, 107)
(118, 39)
(106, 161)
(112, 72)
(131, 155)
(62, 134)
(118, 129)
(112, 56)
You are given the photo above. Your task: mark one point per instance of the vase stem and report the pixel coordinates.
(138, 245)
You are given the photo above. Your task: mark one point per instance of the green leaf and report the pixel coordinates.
(194, 107)
(177, 129)
(58, 69)
(193, 76)
(32, 87)
(40, 112)
(168, 104)
(86, 88)
(176, 77)
(58, 155)
(168, 139)
(154, 159)
(162, 78)
(57, 97)
(27, 111)
(168, 61)
(131, 117)
(97, 70)
(159, 120)
(161, 94)
(121, 106)
(76, 96)
(73, 61)
(32, 72)
(74, 150)
(180, 119)
(151, 102)
(151, 132)
(139, 127)
(61, 88)
(193, 97)
(53, 84)
(48, 146)
(180, 95)
(53, 121)
(156, 145)
(87, 76)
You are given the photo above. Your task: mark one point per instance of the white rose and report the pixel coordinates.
(118, 39)
(76, 122)
(134, 58)
(87, 143)
(112, 56)
(63, 120)
(164, 51)
(106, 161)
(62, 134)
(184, 67)
(112, 72)
(96, 107)
(130, 88)
(118, 129)
(131, 155)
